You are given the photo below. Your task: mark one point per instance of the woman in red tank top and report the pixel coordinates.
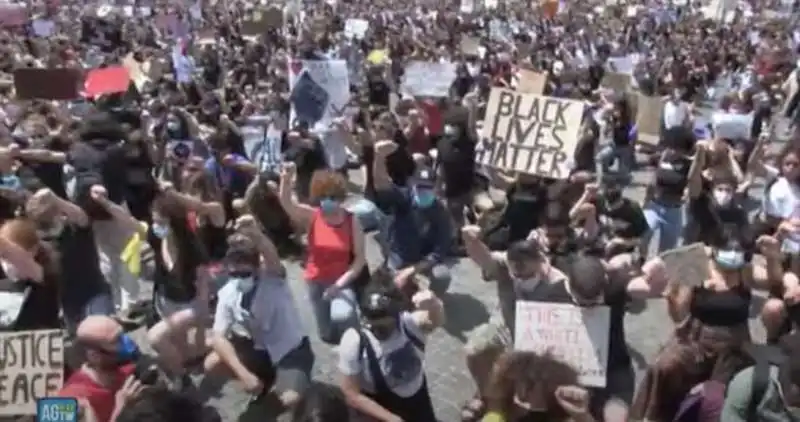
(336, 254)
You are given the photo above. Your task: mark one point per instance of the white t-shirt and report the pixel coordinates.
(400, 361)
(273, 323)
(334, 146)
(782, 200)
(675, 114)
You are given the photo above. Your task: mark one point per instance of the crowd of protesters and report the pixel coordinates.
(205, 179)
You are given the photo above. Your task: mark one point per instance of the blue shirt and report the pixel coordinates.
(413, 233)
(226, 176)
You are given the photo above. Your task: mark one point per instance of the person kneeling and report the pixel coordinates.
(258, 336)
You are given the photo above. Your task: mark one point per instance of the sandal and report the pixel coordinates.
(473, 410)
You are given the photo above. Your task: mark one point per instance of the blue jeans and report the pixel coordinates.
(624, 155)
(667, 221)
(334, 315)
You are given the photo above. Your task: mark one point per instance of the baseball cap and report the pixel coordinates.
(424, 176)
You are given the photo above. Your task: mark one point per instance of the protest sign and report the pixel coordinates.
(260, 22)
(648, 118)
(530, 133)
(578, 336)
(273, 18)
(429, 79)
(356, 28)
(13, 14)
(47, 84)
(319, 90)
(470, 46)
(31, 367)
(531, 82)
(616, 81)
(733, 126)
(687, 265)
(109, 80)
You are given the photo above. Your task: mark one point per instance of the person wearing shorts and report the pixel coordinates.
(258, 335)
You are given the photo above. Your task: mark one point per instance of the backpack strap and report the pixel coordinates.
(416, 341)
(759, 384)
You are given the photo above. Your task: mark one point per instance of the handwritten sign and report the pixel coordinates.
(428, 79)
(575, 335)
(530, 133)
(687, 265)
(31, 367)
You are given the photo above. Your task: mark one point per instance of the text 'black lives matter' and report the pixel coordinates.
(310, 99)
(529, 133)
(31, 366)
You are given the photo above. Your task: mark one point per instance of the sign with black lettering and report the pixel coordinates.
(530, 133)
(31, 367)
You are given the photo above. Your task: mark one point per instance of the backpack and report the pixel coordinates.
(764, 356)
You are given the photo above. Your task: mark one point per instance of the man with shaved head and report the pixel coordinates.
(105, 380)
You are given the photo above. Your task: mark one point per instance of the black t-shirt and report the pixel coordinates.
(457, 157)
(379, 92)
(80, 267)
(626, 220)
(671, 179)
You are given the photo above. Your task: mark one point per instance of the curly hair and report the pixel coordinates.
(521, 371)
(327, 184)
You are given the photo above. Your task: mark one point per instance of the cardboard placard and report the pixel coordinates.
(31, 367)
(530, 133)
(48, 84)
(261, 21)
(649, 111)
(531, 82)
(687, 265)
(273, 18)
(470, 46)
(616, 81)
(575, 335)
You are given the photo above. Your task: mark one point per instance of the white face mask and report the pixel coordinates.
(722, 197)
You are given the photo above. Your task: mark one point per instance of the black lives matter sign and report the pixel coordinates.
(530, 133)
(31, 367)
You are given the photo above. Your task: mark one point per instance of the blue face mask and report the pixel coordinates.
(730, 259)
(127, 350)
(11, 182)
(423, 198)
(328, 205)
(160, 230)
